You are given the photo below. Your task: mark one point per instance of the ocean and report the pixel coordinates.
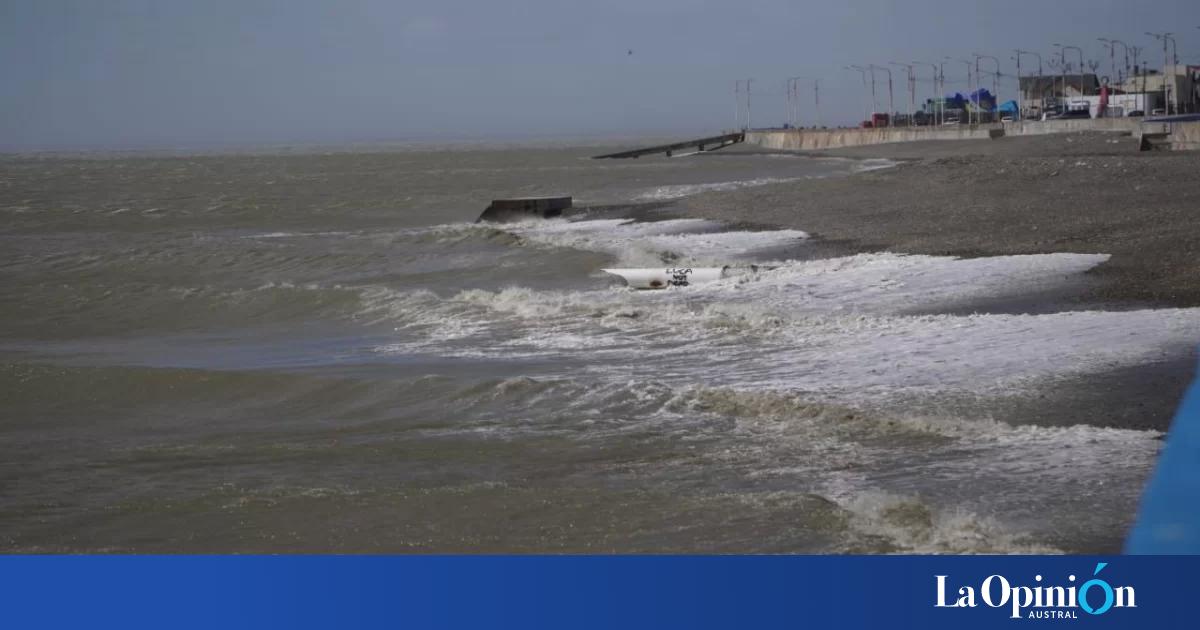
(320, 351)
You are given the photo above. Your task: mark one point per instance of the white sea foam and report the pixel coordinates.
(678, 191)
(873, 164)
(835, 328)
(888, 283)
(678, 241)
(806, 376)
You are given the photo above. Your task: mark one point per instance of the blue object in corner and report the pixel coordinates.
(1169, 519)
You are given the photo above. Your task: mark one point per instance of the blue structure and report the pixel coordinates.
(984, 100)
(1169, 519)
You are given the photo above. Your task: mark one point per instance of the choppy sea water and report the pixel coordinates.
(322, 353)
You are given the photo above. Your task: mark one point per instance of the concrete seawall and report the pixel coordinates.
(1037, 127)
(818, 139)
(1185, 136)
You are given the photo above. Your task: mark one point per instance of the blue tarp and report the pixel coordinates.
(983, 99)
(956, 101)
(1010, 107)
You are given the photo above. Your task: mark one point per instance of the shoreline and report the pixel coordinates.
(1087, 193)
(1078, 193)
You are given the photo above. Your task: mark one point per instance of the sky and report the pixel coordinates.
(158, 73)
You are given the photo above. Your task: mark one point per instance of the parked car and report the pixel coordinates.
(1135, 113)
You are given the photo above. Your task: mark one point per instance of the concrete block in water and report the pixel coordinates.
(504, 210)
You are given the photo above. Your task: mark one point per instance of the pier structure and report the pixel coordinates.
(711, 143)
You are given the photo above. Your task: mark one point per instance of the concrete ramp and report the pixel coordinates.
(1169, 135)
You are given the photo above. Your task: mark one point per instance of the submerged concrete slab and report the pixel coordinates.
(521, 208)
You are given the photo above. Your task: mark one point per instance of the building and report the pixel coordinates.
(1055, 90)
(1119, 105)
(1181, 84)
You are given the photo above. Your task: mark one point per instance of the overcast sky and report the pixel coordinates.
(130, 73)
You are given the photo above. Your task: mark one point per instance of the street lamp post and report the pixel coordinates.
(863, 71)
(968, 65)
(1136, 52)
(912, 99)
(1059, 68)
(1125, 48)
(1042, 96)
(1080, 51)
(995, 77)
(793, 89)
(787, 95)
(743, 87)
(749, 125)
(737, 93)
(737, 104)
(1174, 67)
(1020, 90)
(817, 100)
(1112, 56)
(1165, 38)
(891, 93)
(1111, 45)
(937, 101)
(1063, 52)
